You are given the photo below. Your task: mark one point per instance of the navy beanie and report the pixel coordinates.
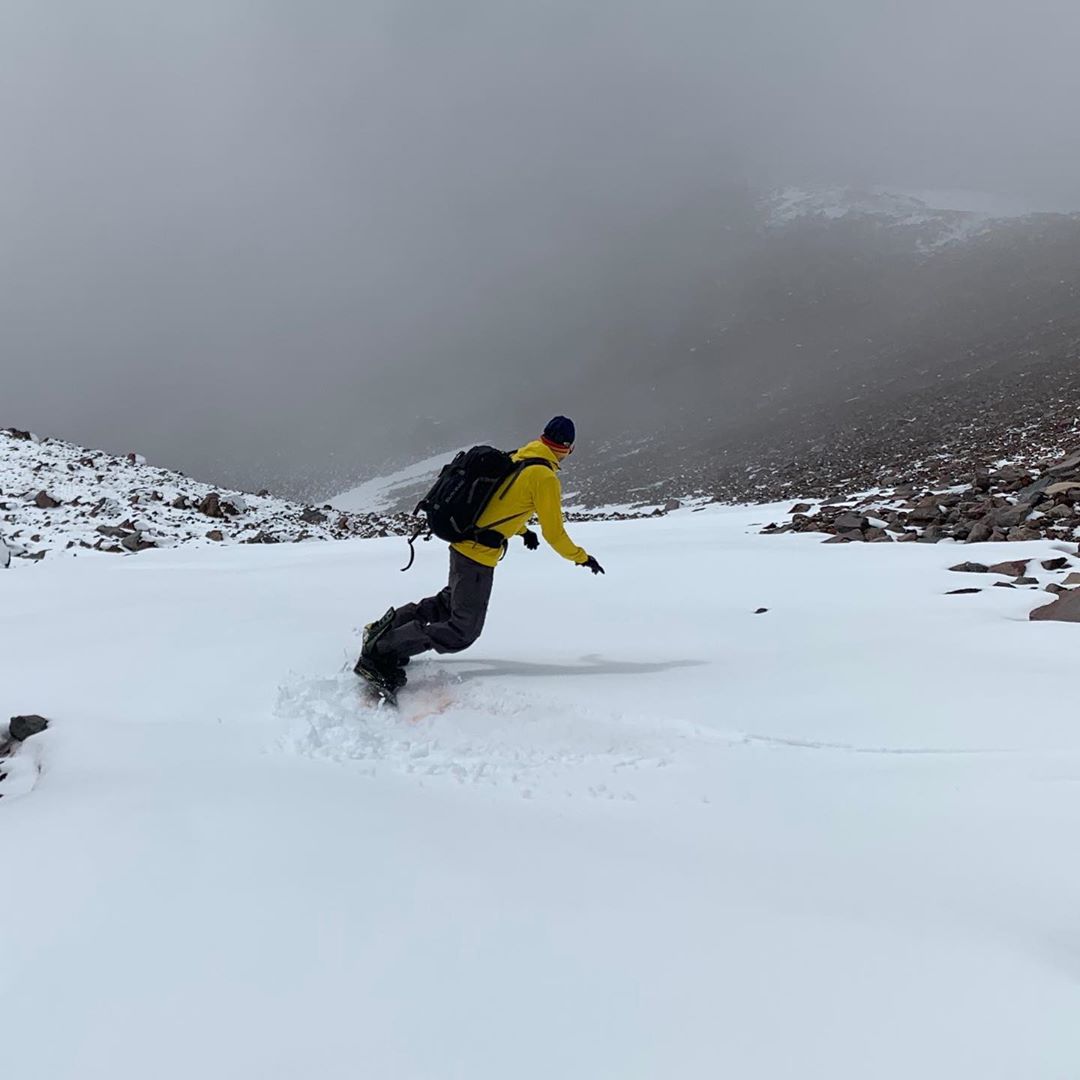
(560, 430)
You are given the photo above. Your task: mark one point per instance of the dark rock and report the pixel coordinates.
(22, 727)
(1054, 587)
(672, 504)
(113, 531)
(761, 611)
(130, 542)
(924, 515)
(1014, 568)
(311, 516)
(1004, 585)
(839, 539)
(211, 506)
(961, 592)
(44, 501)
(801, 508)
(1070, 465)
(1055, 564)
(1066, 608)
(233, 505)
(1026, 581)
(180, 503)
(1007, 517)
(215, 534)
(15, 433)
(970, 568)
(1010, 474)
(979, 532)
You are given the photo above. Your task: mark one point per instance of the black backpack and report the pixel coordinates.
(463, 491)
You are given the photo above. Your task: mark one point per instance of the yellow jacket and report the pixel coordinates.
(535, 491)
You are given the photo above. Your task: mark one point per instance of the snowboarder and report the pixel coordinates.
(453, 619)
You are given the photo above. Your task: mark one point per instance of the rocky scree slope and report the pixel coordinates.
(835, 352)
(1037, 498)
(55, 496)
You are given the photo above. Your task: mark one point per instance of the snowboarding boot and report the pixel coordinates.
(375, 630)
(381, 680)
(385, 677)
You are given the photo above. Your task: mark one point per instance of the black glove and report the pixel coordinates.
(593, 565)
(532, 541)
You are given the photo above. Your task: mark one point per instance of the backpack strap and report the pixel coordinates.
(412, 547)
(487, 536)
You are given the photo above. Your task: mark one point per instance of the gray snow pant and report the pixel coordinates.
(447, 622)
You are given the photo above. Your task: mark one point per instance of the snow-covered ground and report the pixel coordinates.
(636, 831)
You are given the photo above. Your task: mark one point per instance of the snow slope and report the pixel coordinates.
(636, 831)
(398, 490)
(935, 221)
(56, 496)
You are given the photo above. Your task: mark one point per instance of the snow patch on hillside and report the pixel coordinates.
(934, 226)
(397, 490)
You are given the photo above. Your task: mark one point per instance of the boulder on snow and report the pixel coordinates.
(211, 506)
(1014, 568)
(311, 516)
(1066, 608)
(44, 501)
(961, 592)
(1055, 564)
(15, 433)
(801, 508)
(970, 568)
(215, 534)
(22, 727)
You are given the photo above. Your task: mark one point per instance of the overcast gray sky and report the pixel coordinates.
(259, 240)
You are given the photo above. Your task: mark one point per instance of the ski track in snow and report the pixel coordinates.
(447, 727)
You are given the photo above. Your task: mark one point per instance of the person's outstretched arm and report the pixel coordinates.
(549, 511)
